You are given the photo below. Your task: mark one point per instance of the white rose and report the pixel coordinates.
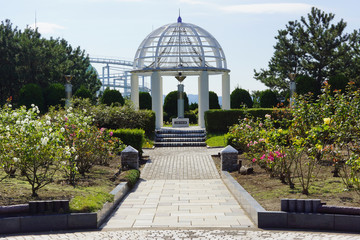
(44, 140)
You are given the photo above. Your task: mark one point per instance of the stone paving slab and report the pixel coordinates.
(195, 234)
(179, 203)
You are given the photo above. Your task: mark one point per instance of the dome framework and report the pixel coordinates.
(180, 48)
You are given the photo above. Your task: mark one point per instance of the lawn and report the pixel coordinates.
(215, 140)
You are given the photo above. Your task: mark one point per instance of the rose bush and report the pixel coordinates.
(39, 146)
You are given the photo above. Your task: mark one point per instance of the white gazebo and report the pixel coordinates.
(180, 48)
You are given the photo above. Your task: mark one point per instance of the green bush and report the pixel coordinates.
(193, 106)
(83, 92)
(170, 105)
(55, 95)
(240, 97)
(31, 94)
(111, 97)
(338, 82)
(306, 84)
(145, 100)
(114, 117)
(219, 121)
(268, 99)
(213, 100)
(132, 176)
(132, 137)
(191, 115)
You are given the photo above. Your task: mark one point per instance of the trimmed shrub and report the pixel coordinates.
(338, 82)
(191, 115)
(31, 94)
(55, 95)
(170, 105)
(217, 121)
(193, 106)
(213, 100)
(132, 176)
(268, 99)
(240, 97)
(132, 137)
(306, 84)
(83, 92)
(145, 100)
(111, 97)
(124, 117)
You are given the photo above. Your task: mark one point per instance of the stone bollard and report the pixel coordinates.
(229, 159)
(130, 158)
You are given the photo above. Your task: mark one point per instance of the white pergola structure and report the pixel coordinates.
(180, 47)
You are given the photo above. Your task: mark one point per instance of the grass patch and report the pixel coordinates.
(90, 203)
(216, 140)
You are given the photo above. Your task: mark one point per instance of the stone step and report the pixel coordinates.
(179, 139)
(186, 135)
(180, 144)
(179, 131)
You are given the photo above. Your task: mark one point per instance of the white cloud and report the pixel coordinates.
(47, 28)
(268, 8)
(193, 2)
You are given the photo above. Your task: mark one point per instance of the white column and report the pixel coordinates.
(135, 90)
(225, 91)
(161, 101)
(156, 100)
(203, 96)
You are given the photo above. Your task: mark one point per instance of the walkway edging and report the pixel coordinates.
(248, 203)
(119, 193)
(57, 222)
(286, 220)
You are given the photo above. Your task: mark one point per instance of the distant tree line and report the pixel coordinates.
(28, 58)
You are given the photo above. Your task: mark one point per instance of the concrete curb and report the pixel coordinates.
(119, 193)
(56, 222)
(249, 204)
(285, 220)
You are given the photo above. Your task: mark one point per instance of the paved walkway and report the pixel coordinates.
(181, 187)
(201, 208)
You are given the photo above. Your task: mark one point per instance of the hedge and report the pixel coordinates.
(124, 117)
(217, 121)
(132, 137)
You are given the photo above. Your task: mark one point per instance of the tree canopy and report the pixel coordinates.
(26, 57)
(315, 47)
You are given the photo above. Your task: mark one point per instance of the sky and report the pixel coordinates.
(245, 29)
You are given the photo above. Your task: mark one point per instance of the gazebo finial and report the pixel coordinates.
(179, 18)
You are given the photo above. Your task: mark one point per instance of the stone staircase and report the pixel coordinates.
(180, 137)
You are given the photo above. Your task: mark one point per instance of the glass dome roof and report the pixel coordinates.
(180, 46)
